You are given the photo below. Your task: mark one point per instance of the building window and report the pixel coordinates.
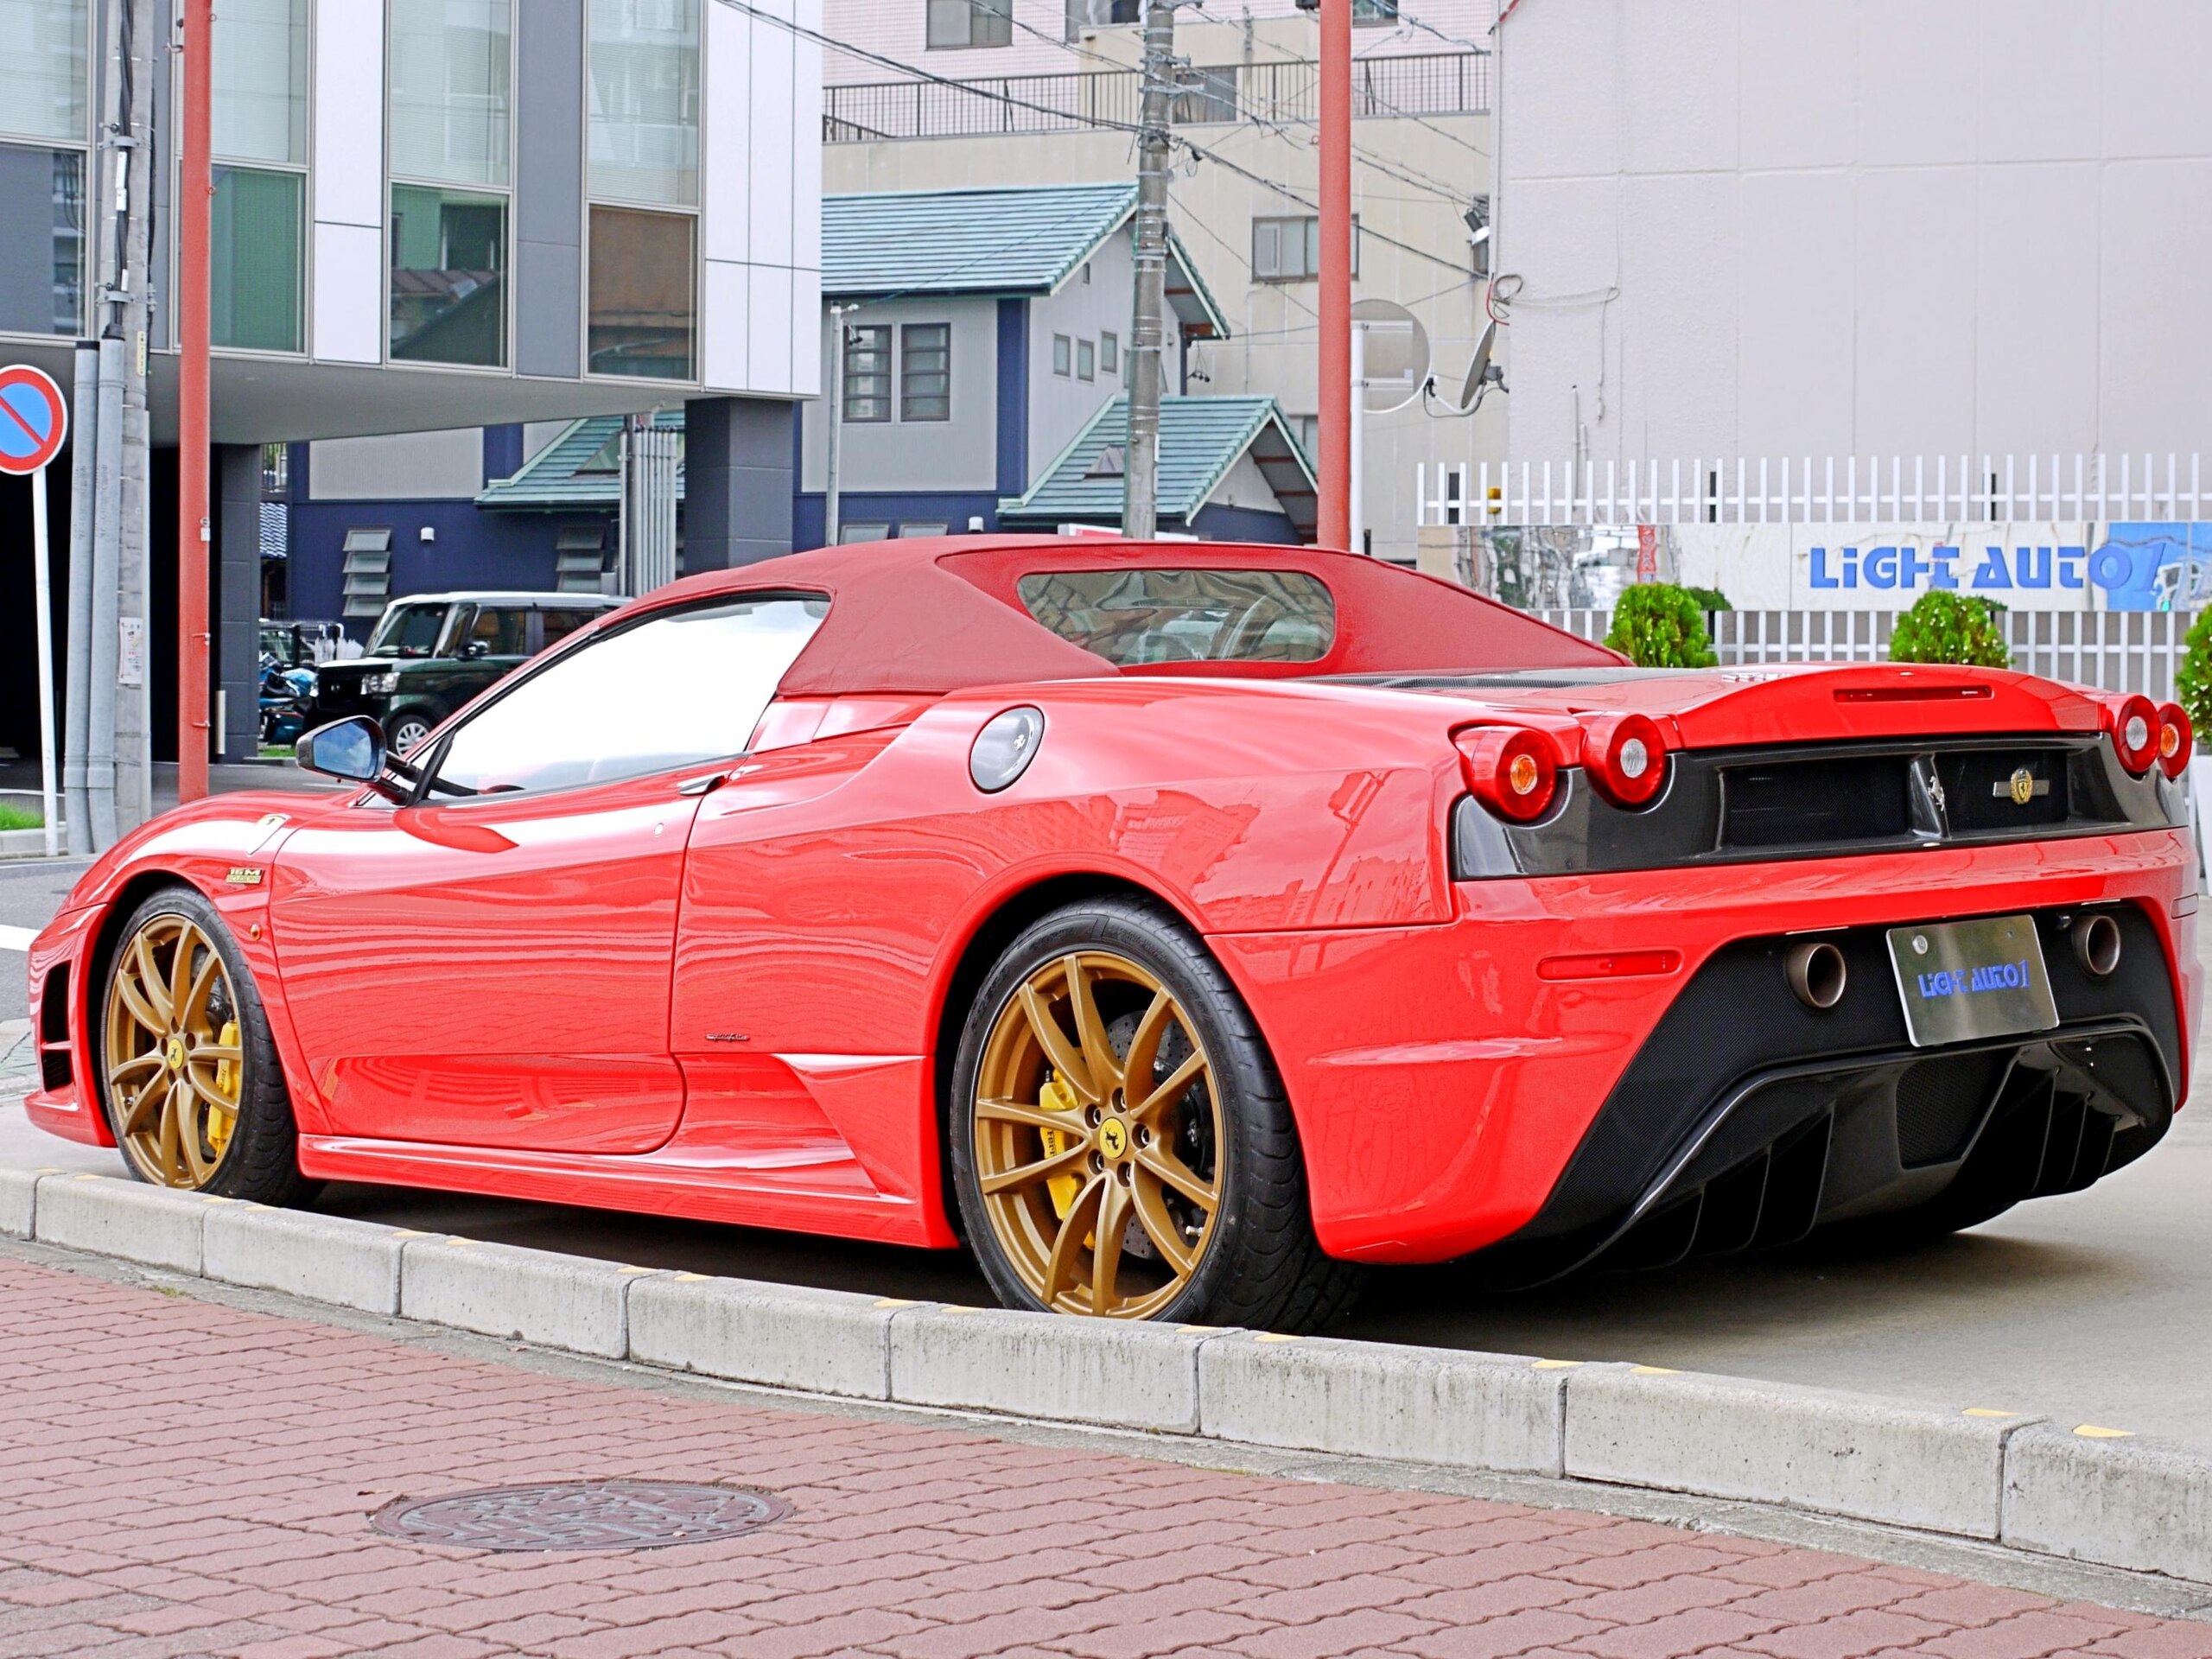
(645, 101)
(42, 280)
(925, 372)
(254, 260)
(1109, 353)
(261, 80)
(643, 294)
(848, 532)
(42, 69)
(451, 77)
(966, 24)
(1097, 14)
(1289, 250)
(276, 471)
(867, 373)
(449, 275)
(1374, 12)
(915, 530)
(1063, 356)
(1086, 360)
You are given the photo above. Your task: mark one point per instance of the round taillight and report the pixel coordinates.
(2177, 738)
(1513, 769)
(2135, 733)
(1626, 758)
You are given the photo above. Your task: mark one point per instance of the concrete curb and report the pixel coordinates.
(2090, 1494)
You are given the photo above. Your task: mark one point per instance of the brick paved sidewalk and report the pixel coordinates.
(184, 1477)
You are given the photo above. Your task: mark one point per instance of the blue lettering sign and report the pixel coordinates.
(2033, 572)
(1992, 572)
(2069, 561)
(1820, 577)
(1882, 567)
(1941, 576)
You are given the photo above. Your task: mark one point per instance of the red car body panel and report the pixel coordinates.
(738, 1006)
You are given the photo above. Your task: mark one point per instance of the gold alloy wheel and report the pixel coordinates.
(1098, 1137)
(173, 1057)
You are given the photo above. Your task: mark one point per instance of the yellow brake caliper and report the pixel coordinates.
(219, 1124)
(1057, 1097)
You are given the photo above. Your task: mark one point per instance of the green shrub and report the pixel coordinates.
(2193, 684)
(1709, 599)
(1947, 627)
(19, 818)
(1657, 625)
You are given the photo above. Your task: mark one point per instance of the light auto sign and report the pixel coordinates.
(34, 420)
(1986, 570)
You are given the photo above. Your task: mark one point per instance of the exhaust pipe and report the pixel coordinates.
(1817, 975)
(2096, 944)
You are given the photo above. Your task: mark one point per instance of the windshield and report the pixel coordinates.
(1158, 615)
(408, 630)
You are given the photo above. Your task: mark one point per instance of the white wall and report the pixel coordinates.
(1873, 226)
(409, 467)
(1060, 407)
(961, 454)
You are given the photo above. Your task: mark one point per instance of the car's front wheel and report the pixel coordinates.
(1120, 1141)
(406, 731)
(188, 1074)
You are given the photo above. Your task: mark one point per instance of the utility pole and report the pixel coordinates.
(830, 515)
(1141, 453)
(1336, 366)
(196, 185)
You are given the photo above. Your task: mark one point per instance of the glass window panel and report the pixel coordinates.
(254, 260)
(1086, 360)
(449, 90)
(867, 372)
(645, 100)
(925, 372)
(1183, 615)
(260, 111)
(643, 294)
(1063, 357)
(42, 271)
(42, 68)
(672, 690)
(991, 22)
(1109, 354)
(448, 276)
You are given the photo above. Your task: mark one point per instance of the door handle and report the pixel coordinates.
(705, 784)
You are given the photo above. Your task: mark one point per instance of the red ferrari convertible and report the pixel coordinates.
(1178, 926)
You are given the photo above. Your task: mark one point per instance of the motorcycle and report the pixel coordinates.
(287, 697)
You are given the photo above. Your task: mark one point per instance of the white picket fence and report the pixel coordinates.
(1806, 489)
(2114, 650)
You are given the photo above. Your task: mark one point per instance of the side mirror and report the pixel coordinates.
(472, 649)
(351, 750)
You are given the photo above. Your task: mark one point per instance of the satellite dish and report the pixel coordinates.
(1478, 370)
(1395, 357)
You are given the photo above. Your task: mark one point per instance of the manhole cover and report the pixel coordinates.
(582, 1515)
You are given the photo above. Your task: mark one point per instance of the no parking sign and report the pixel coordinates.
(34, 423)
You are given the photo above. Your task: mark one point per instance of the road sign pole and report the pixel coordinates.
(42, 581)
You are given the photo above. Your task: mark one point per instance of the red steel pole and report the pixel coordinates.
(1335, 527)
(195, 187)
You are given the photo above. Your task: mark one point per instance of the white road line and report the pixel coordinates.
(16, 939)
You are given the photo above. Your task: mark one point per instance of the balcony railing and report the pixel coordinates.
(1426, 84)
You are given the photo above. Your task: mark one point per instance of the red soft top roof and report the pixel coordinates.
(928, 616)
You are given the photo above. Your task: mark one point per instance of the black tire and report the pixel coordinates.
(404, 732)
(1262, 1268)
(261, 1162)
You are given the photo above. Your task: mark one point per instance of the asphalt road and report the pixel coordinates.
(2095, 1307)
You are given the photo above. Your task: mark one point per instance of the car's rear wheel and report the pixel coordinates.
(1120, 1141)
(188, 1073)
(406, 731)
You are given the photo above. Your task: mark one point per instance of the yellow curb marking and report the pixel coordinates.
(1197, 1330)
(895, 1301)
(1653, 1370)
(1988, 1411)
(1274, 1336)
(409, 1232)
(1552, 1364)
(693, 1278)
(2092, 1432)
(626, 1267)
